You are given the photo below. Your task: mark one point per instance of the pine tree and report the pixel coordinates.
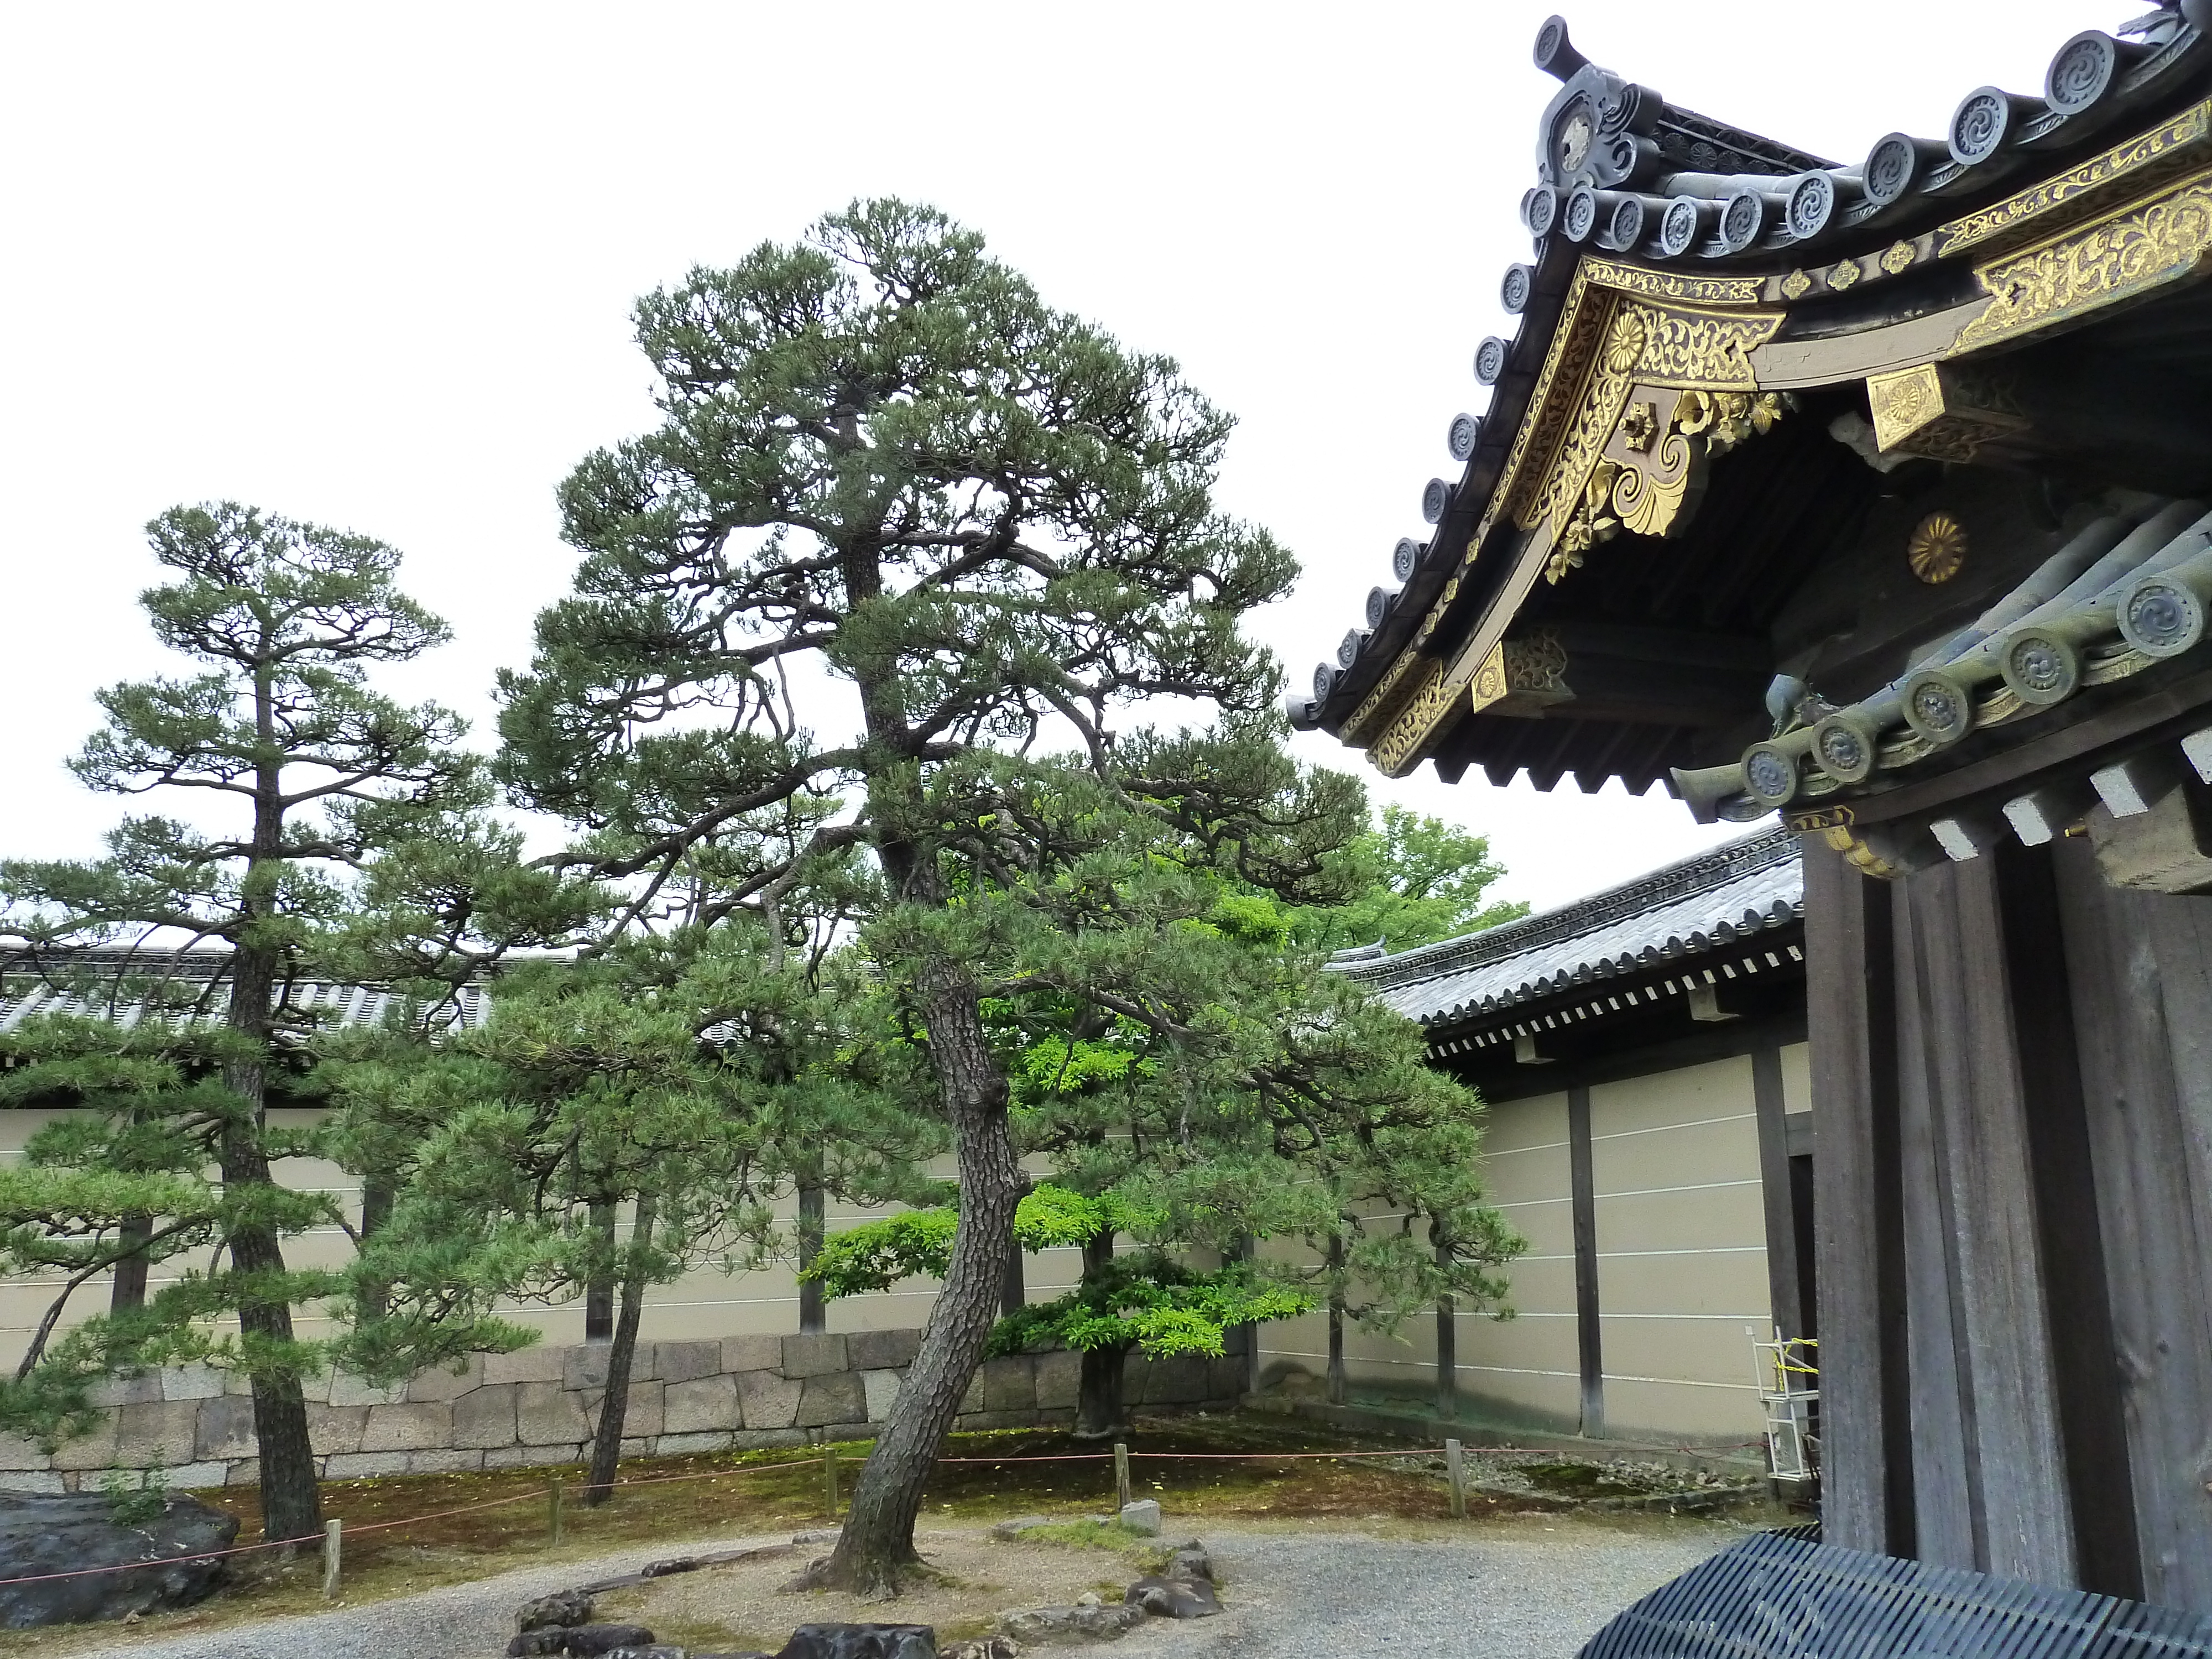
(280, 728)
(908, 537)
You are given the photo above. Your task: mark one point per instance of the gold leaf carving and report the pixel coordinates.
(1845, 276)
(1398, 750)
(2124, 258)
(2139, 164)
(1937, 549)
(1796, 285)
(1673, 285)
(1904, 402)
(1901, 255)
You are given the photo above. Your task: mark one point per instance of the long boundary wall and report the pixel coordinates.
(537, 1406)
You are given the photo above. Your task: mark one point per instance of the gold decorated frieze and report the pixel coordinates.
(2131, 254)
(1376, 701)
(1401, 746)
(2141, 164)
(1674, 285)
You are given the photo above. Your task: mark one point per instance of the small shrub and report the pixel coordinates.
(134, 1498)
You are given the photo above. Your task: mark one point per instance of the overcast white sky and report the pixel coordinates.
(373, 266)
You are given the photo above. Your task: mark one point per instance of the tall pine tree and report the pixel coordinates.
(906, 536)
(299, 773)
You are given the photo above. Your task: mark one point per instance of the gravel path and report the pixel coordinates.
(1505, 1589)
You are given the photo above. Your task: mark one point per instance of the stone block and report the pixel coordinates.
(972, 1402)
(1143, 1516)
(198, 1476)
(448, 1460)
(537, 1363)
(819, 1353)
(17, 1453)
(679, 1445)
(484, 1418)
(1058, 1380)
(883, 1351)
(352, 1391)
(364, 1466)
(440, 1383)
(162, 1432)
(226, 1428)
(31, 1480)
(836, 1398)
(635, 1446)
(752, 1354)
(585, 1367)
(335, 1430)
(546, 1414)
(528, 1457)
(684, 1361)
(642, 1415)
(848, 1432)
(408, 1428)
(191, 1383)
(1179, 1380)
(767, 1439)
(247, 1472)
(979, 1422)
(239, 1383)
(1226, 1378)
(704, 1405)
(767, 1400)
(881, 1390)
(1010, 1383)
(139, 1390)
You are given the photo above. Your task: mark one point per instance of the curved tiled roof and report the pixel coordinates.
(1621, 172)
(186, 988)
(1683, 910)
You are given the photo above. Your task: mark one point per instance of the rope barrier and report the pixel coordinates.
(535, 1493)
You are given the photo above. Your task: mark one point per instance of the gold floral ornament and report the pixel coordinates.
(1591, 522)
(1938, 548)
(1725, 419)
(1625, 341)
(1845, 276)
(1901, 255)
(1796, 285)
(1640, 425)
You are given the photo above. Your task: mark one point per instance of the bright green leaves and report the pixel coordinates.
(1151, 1302)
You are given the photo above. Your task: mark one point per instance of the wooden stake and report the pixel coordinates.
(553, 1516)
(1121, 1474)
(331, 1532)
(1455, 1471)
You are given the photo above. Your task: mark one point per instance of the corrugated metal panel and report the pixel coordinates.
(1682, 910)
(1781, 1592)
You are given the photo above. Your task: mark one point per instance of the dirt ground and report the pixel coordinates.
(748, 1605)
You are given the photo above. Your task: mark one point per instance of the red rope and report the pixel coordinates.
(166, 1561)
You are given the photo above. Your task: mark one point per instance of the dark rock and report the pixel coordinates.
(42, 1533)
(989, 1647)
(1028, 1625)
(568, 1607)
(657, 1650)
(1191, 1561)
(584, 1641)
(1173, 1598)
(861, 1642)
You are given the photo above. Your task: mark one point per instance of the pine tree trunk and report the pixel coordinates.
(614, 1406)
(813, 1313)
(1099, 1412)
(291, 1501)
(1447, 1345)
(875, 1553)
(128, 1289)
(1339, 1386)
(599, 1291)
(376, 1197)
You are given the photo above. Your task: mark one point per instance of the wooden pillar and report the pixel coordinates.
(1589, 1343)
(1782, 1280)
(1865, 1429)
(1991, 1488)
(2141, 980)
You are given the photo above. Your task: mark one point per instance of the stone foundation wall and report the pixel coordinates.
(538, 1406)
